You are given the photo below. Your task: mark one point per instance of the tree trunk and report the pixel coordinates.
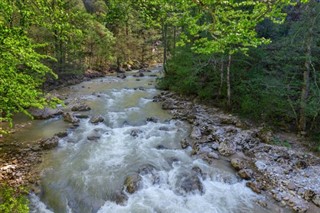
(229, 83)
(165, 46)
(306, 74)
(221, 78)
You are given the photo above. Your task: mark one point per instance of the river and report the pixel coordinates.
(84, 176)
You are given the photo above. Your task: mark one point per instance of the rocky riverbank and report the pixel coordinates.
(289, 176)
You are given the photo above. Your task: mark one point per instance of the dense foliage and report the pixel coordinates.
(11, 201)
(274, 68)
(256, 58)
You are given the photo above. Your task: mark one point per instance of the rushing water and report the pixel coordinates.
(84, 176)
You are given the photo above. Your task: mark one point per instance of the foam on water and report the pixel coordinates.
(84, 175)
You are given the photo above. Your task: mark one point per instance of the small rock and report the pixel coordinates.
(185, 143)
(164, 128)
(316, 200)
(135, 132)
(152, 119)
(93, 137)
(254, 187)
(213, 155)
(245, 174)
(237, 164)
(81, 116)
(308, 194)
(121, 75)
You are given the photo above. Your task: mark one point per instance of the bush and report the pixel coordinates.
(13, 201)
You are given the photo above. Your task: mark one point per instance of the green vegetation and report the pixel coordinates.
(255, 58)
(12, 201)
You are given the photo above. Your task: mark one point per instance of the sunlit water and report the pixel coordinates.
(83, 176)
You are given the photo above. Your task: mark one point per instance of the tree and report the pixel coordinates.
(21, 70)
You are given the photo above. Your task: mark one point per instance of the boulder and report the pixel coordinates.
(96, 119)
(44, 113)
(70, 118)
(80, 108)
(131, 183)
(49, 143)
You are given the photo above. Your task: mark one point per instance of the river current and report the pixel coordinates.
(84, 176)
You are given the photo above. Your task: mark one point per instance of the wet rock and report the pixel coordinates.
(245, 174)
(131, 183)
(226, 148)
(44, 113)
(120, 198)
(121, 75)
(188, 183)
(62, 134)
(237, 164)
(152, 119)
(164, 128)
(197, 170)
(316, 200)
(70, 118)
(135, 132)
(96, 119)
(81, 116)
(93, 137)
(80, 108)
(161, 147)
(254, 187)
(185, 143)
(49, 143)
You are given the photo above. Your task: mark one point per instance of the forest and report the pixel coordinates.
(259, 59)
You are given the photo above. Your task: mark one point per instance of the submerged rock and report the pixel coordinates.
(189, 183)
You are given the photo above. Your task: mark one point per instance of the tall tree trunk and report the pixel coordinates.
(221, 78)
(229, 83)
(306, 73)
(165, 45)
